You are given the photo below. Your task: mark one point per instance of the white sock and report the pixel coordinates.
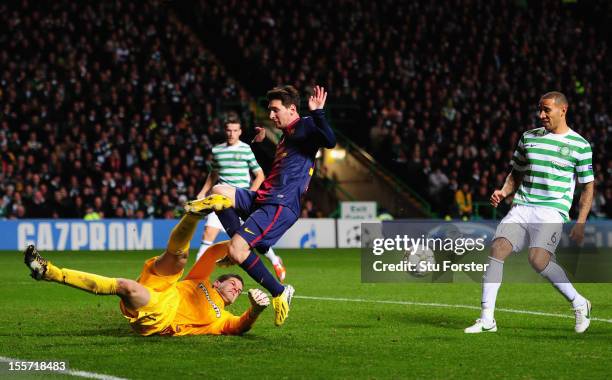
(203, 248)
(556, 275)
(275, 260)
(491, 282)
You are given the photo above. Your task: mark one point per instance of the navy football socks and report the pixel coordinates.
(258, 272)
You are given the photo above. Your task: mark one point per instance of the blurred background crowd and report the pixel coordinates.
(107, 107)
(112, 109)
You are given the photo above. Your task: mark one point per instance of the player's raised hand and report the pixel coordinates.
(259, 299)
(497, 197)
(317, 99)
(260, 135)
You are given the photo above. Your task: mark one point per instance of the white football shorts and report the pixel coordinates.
(539, 227)
(212, 220)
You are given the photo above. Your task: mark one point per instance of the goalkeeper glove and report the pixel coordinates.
(259, 299)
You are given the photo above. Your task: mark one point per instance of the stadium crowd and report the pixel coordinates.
(444, 89)
(110, 109)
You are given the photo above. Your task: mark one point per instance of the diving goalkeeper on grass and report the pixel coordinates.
(158, 302)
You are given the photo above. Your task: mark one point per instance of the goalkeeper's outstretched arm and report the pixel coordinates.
(239, 325)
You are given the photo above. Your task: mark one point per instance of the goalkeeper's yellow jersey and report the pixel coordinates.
(201, 311)
(188, 307)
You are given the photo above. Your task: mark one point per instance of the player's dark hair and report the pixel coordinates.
(288, 95)
(227, 276)
(232, 118)
(558, 97)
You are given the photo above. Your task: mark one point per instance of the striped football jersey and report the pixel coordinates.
(234, 164)
(550, 164)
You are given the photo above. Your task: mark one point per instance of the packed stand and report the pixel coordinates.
(443, 90)
(109, 109)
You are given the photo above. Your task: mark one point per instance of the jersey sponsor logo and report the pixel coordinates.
(559, 163)
(246, 229)
(210, 301)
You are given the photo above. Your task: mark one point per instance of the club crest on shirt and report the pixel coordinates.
(238, 157)
(565, 150)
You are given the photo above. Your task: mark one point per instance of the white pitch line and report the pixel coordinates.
(455, 306)
(71, 372)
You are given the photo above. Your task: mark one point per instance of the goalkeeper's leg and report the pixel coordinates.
(175, 257)
(133, 294)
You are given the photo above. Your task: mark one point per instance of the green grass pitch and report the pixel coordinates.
(321, 338)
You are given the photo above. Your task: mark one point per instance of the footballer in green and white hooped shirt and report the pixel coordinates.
(233, 164)
(545, 168)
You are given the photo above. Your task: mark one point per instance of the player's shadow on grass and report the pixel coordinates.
(412, 316)
(248, 336)
(126, 332)
(115, 332)
(354, 326)
(556, 333)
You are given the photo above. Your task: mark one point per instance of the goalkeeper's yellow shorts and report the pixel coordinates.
(156, 316)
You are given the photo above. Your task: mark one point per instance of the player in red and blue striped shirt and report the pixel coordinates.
(275, 207)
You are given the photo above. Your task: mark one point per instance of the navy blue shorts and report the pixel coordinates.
(264, 224)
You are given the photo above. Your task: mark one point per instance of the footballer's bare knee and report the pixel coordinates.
(133, 294)
(171, 262)
(238, 249)
(501, 248)
(225, 190)
(539, 258)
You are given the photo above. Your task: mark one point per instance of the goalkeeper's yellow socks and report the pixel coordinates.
(89, 282)
(181, 235)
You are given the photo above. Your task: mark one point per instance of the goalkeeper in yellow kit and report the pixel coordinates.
(158, 302)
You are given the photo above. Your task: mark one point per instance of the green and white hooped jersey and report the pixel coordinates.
(234, 164)
(550, 164)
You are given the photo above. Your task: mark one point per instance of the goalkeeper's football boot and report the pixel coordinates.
(481, 326)
(281, 305)
(35, 262)
(207, 205)
(280, 270)
(583, 317)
